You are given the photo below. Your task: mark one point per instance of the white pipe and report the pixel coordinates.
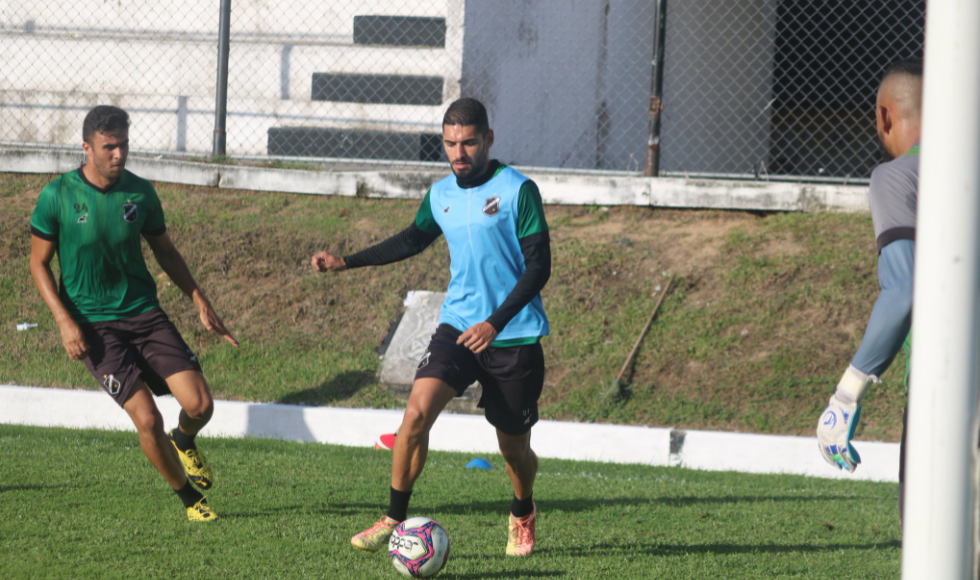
(937, 540)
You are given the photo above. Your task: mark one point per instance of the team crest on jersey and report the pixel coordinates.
(492, 206)
(111, 384)
(83, 219)
(130, 212)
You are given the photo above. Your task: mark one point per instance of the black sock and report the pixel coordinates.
(398, 505)
(188, 495)
(520, 508)
(182, 440)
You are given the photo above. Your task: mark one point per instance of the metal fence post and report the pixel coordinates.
(656, 90)
(221, 91)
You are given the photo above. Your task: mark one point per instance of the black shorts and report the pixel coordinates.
(512, 377)
(146, 346)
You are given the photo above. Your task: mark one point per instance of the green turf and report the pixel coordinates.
(87, 504)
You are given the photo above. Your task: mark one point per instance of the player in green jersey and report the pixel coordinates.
(106, 304)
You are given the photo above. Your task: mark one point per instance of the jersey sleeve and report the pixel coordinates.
(424, 219)
(893, 198)
(45, 219)
(891, 317)
(156, 223)
(531, 224)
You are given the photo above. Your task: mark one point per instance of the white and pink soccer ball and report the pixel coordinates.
(419, 548)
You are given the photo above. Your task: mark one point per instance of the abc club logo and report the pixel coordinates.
(492, 206)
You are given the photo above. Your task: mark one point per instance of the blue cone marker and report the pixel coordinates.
(478, 464)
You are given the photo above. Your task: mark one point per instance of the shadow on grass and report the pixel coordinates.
(512, 574)
(591, 504)
(501, 506)
(685, 549)
(342, 386)
(36, 487)
(368, 510)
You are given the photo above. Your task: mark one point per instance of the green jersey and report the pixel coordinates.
(97, 232)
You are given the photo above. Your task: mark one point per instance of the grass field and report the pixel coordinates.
(767, 312)
(87, 504)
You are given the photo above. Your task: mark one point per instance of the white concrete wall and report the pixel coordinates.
(565, 83)
(327, 20)
(159, 61)
(556, 188)
(53, 117)
(708, 450)
(718, 79)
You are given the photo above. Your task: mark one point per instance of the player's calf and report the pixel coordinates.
(195, 464)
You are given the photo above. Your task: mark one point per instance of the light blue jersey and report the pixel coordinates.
(483, 226)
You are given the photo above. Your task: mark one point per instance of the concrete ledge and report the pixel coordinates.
(468, 433)
(556, 187)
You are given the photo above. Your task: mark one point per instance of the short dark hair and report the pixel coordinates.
(467, 111)
(104, 119)
(908, 66)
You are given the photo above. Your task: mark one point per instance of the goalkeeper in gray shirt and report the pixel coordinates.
(894, 193)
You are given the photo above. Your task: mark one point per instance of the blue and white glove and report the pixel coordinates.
(840, 419)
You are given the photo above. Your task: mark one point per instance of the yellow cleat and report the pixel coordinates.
(201, 511)
(195, 464)
(375, 537)
(520, 541)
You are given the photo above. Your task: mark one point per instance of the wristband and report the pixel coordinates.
(853, 385)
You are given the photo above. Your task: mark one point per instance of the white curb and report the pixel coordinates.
(557, 187)
(707, 450)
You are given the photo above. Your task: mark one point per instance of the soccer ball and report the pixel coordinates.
(418, 547)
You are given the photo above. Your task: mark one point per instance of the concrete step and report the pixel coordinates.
(400, 31)
(164, 122)
(354, 144)
(378, 89)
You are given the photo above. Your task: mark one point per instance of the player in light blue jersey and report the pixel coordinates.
(491, 322)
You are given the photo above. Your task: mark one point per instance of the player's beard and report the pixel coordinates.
(107, 171)
(478, 164)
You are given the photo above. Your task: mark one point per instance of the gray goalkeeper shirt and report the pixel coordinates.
(893, 196)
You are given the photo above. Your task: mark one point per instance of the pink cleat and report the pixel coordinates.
(521, 539)
(375, 537)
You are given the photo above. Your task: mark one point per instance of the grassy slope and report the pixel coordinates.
(93, 508)
(766, 313)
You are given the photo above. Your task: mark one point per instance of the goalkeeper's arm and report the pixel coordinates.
(890, 322)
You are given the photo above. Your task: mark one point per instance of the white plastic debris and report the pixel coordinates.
(26, 325)
(408, 298)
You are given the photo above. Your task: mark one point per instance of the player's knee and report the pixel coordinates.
(415, 420)
(514, 451)
(201, 409)
(148, 422)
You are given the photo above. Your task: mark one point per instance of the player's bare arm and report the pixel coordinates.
(176, 268)
(42, 251)
(325, 261)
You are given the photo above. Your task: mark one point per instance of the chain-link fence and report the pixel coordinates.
(780, 87)
(750, 87)
(156, 60)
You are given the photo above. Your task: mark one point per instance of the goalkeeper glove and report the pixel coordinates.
(840, 419)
